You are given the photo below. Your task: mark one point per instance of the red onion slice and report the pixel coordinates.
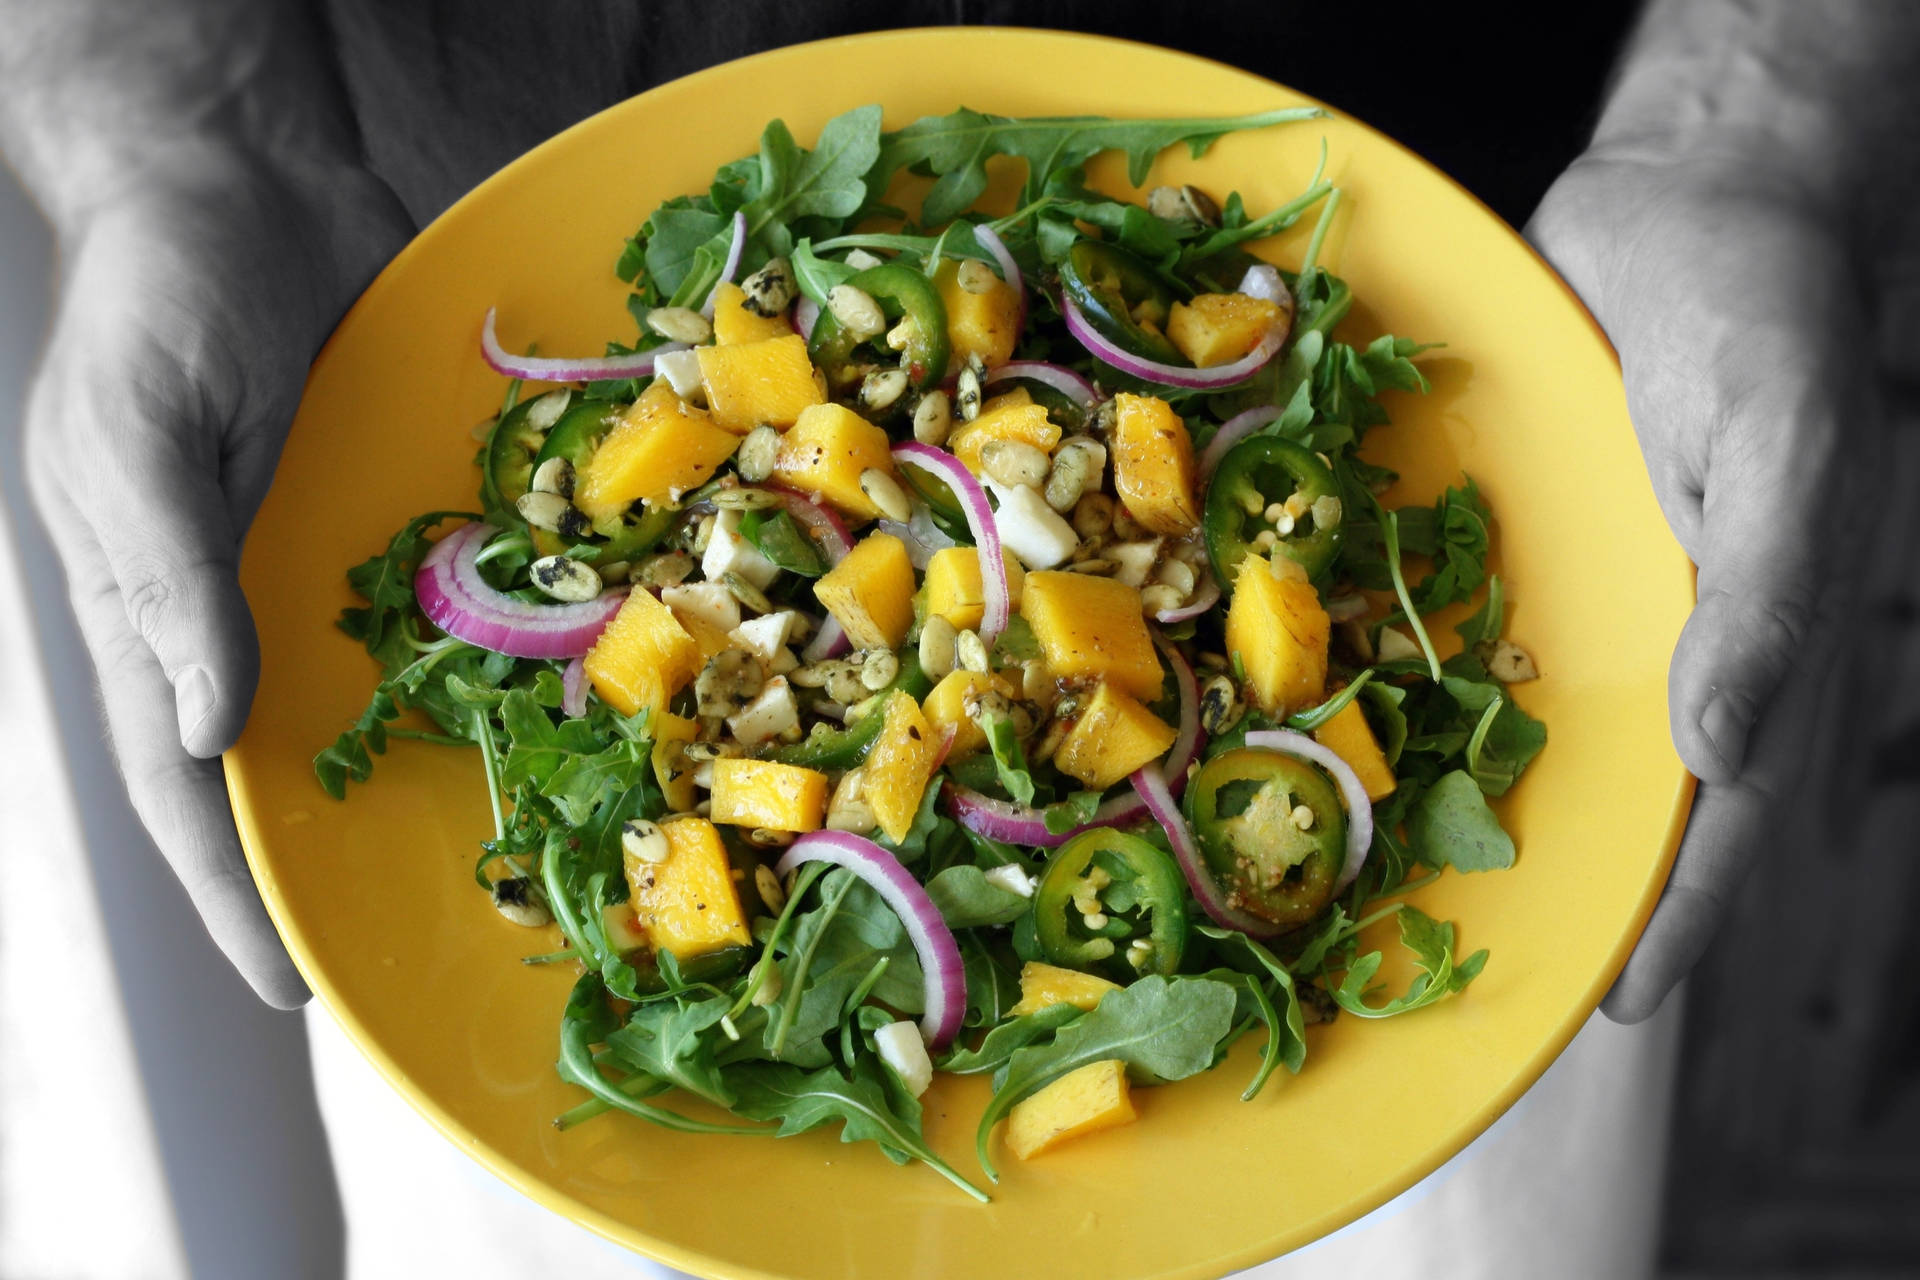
(1152, 788)
(734, 251)
(1359, 808)
(1231, 433)
(934, 942)
(923, 537)
(1009, 269)
(466, 606)
(995, 592)
(1058, 376)
(824, 526)
(1206, 594)
(1170, 375)
(562, 369)
(829, 642)
(806, 314)
(573, 689)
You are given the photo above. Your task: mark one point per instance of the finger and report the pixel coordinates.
(181, 799)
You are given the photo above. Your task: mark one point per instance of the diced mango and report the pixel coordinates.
(946, 708)
(1113, 736)
(1092, 628)
(753, 383)
(1026, 423)
(978, 324)
(733, 323)
(688, 904)
(1349, 736)
(825, 452)
(1219, 328)
(1006, 400)
(1044, 985)
(643, 658)
(710, 638)
(671, 734)
(661, 447)
(1278, 631)
(1096, 1096)
(953, 585)
(903, 758)
(1153, 464)
(870, 592)
(766, 793)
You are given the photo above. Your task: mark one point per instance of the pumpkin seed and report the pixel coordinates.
(700, 752)
(702, 535)
(1093, 565)
(680, 324)
(513, 898)
(644, 841)
(667, 569)
(856, 311)
(855, 816)
(1183, 204)
(1093, 515)
(771, 894)
(615, 571)
(1179, 575)
(745, 499)
(564, 578)
(768, 838)
(884, 492)
(1125, 526)
(879, 669)
(937, 637)
(1219, 704)
(976, 276)
(882, 388)
(813, 675)
(555, 475)
(769, 290)
(1158, 597)
(1014, 462)
(758, 454)
(971, 651)
(932, 418)
(1050, 741)
(731, 679)
(544, 412)
(1036, 680)
(967, 389)
(1072, 475)
(1510, 664)
(747, 594)
(553, 513)
(844, 684)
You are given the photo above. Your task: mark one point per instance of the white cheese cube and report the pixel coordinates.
(1134, 560)
(766, 635)
(681, 369)
(902, 1049)
(767, 716)
(1031, 529)
(1012, 879)
(710, 602)
(728, 552)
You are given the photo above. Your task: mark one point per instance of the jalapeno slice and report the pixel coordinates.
(516, 440)
(1123, 298)
(1256, 475)
(1106, 895)
(844, 748)
(1273, 861)
(575, 435)
(903, 293)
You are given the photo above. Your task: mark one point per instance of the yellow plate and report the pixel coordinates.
(376, 900)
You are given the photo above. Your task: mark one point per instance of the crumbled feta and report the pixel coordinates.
(1032, 530)
(710, 602)
(1396, 646)
(902, 1049)
(765, 635)
(767, 716)
(1012, 879)
(728, 552)
(1134, 560)
(681, 369)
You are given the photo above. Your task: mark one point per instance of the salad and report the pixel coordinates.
(952, 643)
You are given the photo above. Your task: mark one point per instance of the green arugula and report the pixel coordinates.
(1451, 826)
(1431, 942)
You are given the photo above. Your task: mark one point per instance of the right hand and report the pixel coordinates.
(190, 304)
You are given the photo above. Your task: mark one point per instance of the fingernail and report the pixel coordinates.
(1726, 729)
(192, 701)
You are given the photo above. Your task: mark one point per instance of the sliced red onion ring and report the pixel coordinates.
(561, 369)
(939, 953)
(1231, 433)
(828, 530)
(1359, 808)
(1264, 282)
(806, 314)
(734, 251)
(995, 593)
(1058, 376)
(1009, 269)
(465, 605)
(1152, 789)
(1170, 375)
(829, 642)
(1206, 594)
(1020, 824)
(573, 689)
(923, 537)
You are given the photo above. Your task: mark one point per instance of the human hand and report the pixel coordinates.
(1728, 288)
(189, 307)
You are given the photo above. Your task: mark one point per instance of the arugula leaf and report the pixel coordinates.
(1452, 826)
(956, 148)
(1486, 623)
(775, 536)
(802, 1100)
(1000, 1044)
(1076, 809)
(1508, 743)
(671, 1042)
(967, 899)
(1286, 1024)
(676, 232)
(1164, 1029)
(1431, 942)
(1462, 520)
(1008, 758)
(816, 275)
(827, 181)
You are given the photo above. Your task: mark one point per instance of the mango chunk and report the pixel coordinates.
(978, 324)
(1219, 328)
(688, 904)
(825, 452)
(661, 447)
(750, 383)
(766, 793)
(953, 585)
(1044, 985)
(946, 708)
(870, 593)
(1153, 464)
(1113, 736)
(1094, 1097)
(1092, 628)
(903, 758)
(1349, 736)
(733, 323)
(1025, 423)
(1019, 395)
(1278, 631)
(643, 658)
(671, 768)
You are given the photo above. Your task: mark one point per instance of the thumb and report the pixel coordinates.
(174, 552)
